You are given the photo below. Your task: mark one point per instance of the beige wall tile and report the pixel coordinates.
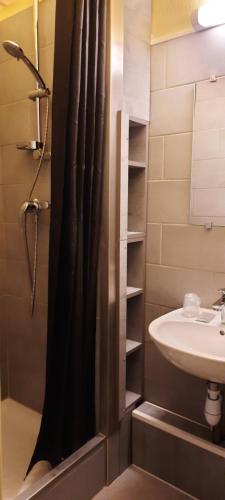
(158, 66)
(172, 110)
(47, 22)
(2, 211)
(170, 388)
(3, 276)
(15, 241)
(17, 169)
(2, 241)
(17, 122)
(178, 156)
(18, 166)
(18, 28)
(42, 189)
(167, 285)
(15, 247)
(1, 167)
(17, 282)
(168, 201)
(195, 57)
(156, 158)
(46, 64)
(194, 247)
(153, 311)
(42, 284)
(153, 248)
(15, 80)
(218, 282)
(26, 335)
(13, 196)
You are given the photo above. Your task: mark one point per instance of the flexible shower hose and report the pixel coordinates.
(32, 269)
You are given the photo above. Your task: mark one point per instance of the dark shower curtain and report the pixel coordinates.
(77, 167)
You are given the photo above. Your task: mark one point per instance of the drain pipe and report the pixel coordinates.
(213, 404)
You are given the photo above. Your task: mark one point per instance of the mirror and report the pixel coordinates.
(208, 156)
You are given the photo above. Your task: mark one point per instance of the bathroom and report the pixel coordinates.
(112, 215)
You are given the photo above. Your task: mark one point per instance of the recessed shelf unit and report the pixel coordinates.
(131, 245)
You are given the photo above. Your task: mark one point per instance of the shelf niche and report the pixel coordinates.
(135, 315)
(136, 199)
(134, 371)
(132, 230)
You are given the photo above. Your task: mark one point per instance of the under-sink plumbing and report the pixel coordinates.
(213, 404)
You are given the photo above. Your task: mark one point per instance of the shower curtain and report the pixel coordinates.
(77, 168)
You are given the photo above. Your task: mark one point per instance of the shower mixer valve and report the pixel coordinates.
(33, 207)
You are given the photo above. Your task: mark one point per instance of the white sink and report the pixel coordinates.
(192, 346)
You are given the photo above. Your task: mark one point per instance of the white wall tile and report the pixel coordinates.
(158, 66)
(172, 110)
(156, 157)
(178, 156)
(195, 57)
(210, 114)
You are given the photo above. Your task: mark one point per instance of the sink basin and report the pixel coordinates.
(194, 347)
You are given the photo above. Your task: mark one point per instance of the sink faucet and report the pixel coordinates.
(218, 305)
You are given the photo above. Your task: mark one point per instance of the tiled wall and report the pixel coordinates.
(23, 337)
(180, 257)
(137, 22)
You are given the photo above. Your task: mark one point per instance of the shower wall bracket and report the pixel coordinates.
(29, 146)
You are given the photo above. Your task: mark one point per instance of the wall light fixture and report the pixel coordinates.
(209, 15)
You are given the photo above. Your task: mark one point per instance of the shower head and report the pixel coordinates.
(13, 49)
(16, 51)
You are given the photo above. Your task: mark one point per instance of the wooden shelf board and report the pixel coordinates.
(131, 398)
(132, 346)
(133, 236)
(133, 292)
(137, 164)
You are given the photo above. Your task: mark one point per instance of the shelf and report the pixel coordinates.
(137, 122)
(135, 236)
(137, 164)
(132, 346)
(131, 398)
(133, 292)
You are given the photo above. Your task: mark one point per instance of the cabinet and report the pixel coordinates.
(131, 257)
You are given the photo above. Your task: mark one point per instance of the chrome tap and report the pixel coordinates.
(218, 305)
